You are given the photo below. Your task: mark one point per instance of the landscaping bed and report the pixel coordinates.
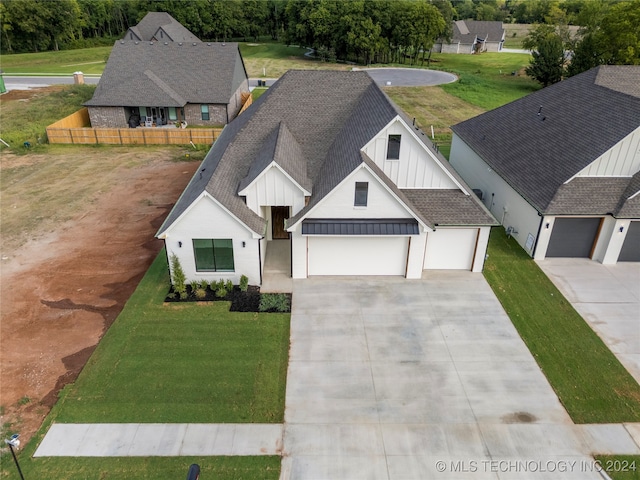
(249, 300)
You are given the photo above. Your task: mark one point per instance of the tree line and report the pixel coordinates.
(364, 31)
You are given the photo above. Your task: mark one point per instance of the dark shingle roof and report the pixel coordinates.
(282, 148)
(466, 31)
(169, 74)
(539, 142)
(323, 117)
(147, 28)
(360, 226)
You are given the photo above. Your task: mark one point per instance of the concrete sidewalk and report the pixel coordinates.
(160, 440)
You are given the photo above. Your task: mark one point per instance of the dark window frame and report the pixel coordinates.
(204, 112)
(361, 196)
(214, 259)
(393, 147)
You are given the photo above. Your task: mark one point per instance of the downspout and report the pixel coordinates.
(535, 245)
(260, 259)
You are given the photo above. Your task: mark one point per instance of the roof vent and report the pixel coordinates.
(121, 42)
(150, 43)
(540, 110)
(208, 44)
(180, 43)
(166, 43)
(137, 43)
(194, 44)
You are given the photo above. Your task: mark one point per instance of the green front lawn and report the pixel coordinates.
(173, 363)
(620, 467)
(589, 380)
(182, 363)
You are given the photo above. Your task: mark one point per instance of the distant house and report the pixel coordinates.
(159, 27)
(325, 162)
(470, 36)
(560, 168)
(155, 83)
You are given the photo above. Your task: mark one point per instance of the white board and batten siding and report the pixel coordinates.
(273, 188)
(623, 160)
(340, 202)
(206, 219)
(416, 167)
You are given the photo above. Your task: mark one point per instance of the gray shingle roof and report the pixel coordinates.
(148, 27)
(282, 148)
(449, 207)
(324, 117)
(540, 141)
(466, 31)
(169, 74)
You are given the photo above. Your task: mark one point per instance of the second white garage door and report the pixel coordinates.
(357, 255)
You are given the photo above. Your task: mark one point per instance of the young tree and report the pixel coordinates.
(547, 64)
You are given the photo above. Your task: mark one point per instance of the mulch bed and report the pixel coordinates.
(248, 301)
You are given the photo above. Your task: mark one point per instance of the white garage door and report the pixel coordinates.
(450, 249)
(358, 255)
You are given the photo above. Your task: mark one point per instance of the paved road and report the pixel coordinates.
(409, 77)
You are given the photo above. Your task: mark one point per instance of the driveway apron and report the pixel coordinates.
(415, 379)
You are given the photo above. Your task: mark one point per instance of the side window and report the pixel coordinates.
(393, 147)
(213, 255)
(362, 192)
(204, 111)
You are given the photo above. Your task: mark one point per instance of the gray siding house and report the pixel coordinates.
(560, 168)
(470, 36)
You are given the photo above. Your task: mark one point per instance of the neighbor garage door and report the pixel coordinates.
(357, 255)
(631, 247)
(573, 237)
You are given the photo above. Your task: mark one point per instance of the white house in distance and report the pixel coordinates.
(560, 168)
(325, 162)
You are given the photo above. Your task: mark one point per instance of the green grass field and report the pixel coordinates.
(182, 363)
(589, 380)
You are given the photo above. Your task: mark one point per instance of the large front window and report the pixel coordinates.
(213, 255)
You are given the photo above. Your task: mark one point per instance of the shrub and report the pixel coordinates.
(200, 293)
(204, 284)
(183, 295)
(171, 295)
(221, 292)
(194, 284)
(244, 283)
(278, 302)
(228, 286)
(178, 278)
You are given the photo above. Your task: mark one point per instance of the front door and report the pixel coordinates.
(278, 217)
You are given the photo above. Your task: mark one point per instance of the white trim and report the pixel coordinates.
(292, 227)
(398, 118)
(273, 164)
(205, 194)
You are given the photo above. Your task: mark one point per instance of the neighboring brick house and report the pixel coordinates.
(162, 74)
(159, 27)
(470, 36)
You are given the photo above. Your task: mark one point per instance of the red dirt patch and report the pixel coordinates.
(62, 290)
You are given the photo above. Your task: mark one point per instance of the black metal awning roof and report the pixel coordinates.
(360, 226)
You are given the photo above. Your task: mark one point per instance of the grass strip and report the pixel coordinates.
(620, 467)
(589, 380)
(142, 468)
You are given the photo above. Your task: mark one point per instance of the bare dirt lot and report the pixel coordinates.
(76, 238)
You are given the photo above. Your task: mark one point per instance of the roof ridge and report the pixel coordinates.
(164, 87)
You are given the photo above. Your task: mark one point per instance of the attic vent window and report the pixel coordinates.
(393, 147)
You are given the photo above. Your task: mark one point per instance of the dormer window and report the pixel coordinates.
(362, 192)
(393, 147)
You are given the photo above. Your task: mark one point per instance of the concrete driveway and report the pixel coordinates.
(414, 379)
(607, 297)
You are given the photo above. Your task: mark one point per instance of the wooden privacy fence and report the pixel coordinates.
(72, 129)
